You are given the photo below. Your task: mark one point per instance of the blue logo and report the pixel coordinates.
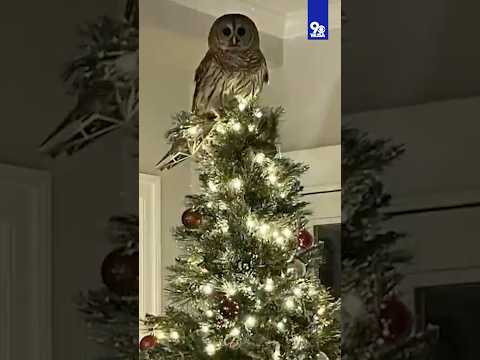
(317, 20)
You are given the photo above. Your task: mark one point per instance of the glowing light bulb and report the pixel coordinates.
(273, 179)
(242, 103)
(250, 223)
(281, 326)
(207, 289)
(280, 240)
(258, 113)
(287, 232)
(224, 227)
(205, 329)
(212, 186)
(174, 335)
(209, 313)
(260, 158)
(235, 332)
(298, 292)
(221, 128)
(251, 128)
(194, 130)
(230, 290)
(321, 310)
(289, 303)
(269, 285)
(236, 126)
(264, 229)
(250, 322)
(236, 184)
(275, 234)
(210, 349)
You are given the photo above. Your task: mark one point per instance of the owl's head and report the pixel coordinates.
(233, 32)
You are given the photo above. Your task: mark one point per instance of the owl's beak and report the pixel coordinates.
(234, 41)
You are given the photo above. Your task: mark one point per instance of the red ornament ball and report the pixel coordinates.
(229, 308)
(148, 342)
(120, 272)
(191, 219)
(304, 239)
(395, 320)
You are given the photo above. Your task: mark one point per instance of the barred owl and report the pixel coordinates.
(234, 64)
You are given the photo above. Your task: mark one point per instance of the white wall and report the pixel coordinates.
(439, 168)
(37, 43)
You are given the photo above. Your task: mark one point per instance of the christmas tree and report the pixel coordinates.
(246, 286)
(376, 323)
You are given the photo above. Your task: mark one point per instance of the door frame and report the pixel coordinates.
(39, 184)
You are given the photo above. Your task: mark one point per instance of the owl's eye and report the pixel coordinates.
(227, 32)
(241, 31)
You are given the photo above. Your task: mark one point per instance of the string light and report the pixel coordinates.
(321, 310)
(287, 232)
(207, 289)
(210, 204)
(281, 326)
(210, 349)
(209, 313)
(194, 130)
(236, 126)
(250, 322)
(264, 229)
(221, 128)
(212, 186)
(251, 128)
(273, 179)
(258, 113)
(289, 303)
(250, 222)
(205, 329)
(260, 158)
(230, 289)
(174, 335)
(236, 184)
(224, 227)
(269, 285)
(235, 332)
(298, 292)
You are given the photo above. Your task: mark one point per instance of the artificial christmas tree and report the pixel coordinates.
(376, 325)
(238, 291)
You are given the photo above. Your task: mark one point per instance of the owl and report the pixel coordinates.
(233, 65)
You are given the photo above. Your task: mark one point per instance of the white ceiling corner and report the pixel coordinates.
(282, 18)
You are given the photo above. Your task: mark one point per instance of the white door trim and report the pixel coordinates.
(151, 285)
(39, 184)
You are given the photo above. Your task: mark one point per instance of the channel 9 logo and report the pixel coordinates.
(317, 20)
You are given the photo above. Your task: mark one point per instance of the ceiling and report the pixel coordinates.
(408, 52)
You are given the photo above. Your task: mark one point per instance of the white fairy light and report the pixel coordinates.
(230, 289)
(269, 285)
(283, 194)
(264, 229)
(258, 113)
(221, 128)
(260, 158)
(174, 335)
(281, 326)
(236, 126)
(205, 329)
(250, 322)
(224, 227)
(273, 179)
(222, 205)
(210, 349)
(251, 128)
(242, 103)
(194, 130)
(297, 291)
(287, 232)
(209, 313)
(321, 310)
(250, 223)
(275, 234)
(207, 289)
(280, 240)
(212, 186)
(236, 184)
(235, 331)
(289, 303)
